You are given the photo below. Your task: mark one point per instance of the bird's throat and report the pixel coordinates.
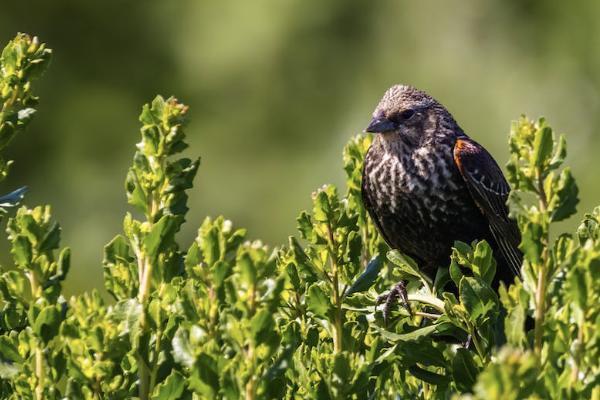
(396, 143)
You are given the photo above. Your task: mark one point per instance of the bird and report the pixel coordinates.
(426, 184)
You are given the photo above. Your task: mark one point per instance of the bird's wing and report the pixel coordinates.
(490, 190)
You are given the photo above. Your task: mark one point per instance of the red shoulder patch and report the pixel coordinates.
(459, 147)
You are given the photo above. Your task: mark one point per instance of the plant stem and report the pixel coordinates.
(430, 300)
(338, 323)
(577, 355)
(540, 294)
(337, 300)
(250, 355)
(143, 368)
(337, 339)
(251, 384)
(540, 300)
(427, 315)
(39, 373)
(366, 255)
(251, 388)
(477, 344)
(144, 290)
(35, 286)
(155, 362)
(144, 371)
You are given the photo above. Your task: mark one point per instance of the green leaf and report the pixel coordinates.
(247, 269)
(590, 227)
(341, 368)
(531, 242)
(577, 288)
(117, 250)
(306, 268)
(162, 235)
(415, 335)
(136, 196)
(221, 271)
(515, 300)
(323, 207)
(204, 378)
(47, 323)
(368, 277)
(292, 274)
(407, 265)
(22, 251)
(542, 146)
(317, 301)
(484, 265)
(305, 226)
(442, 277)
(564, 203)
(51, 239)
(127, 314)
(464, 370)
(208, 241)
(8, 370)
(16, 283)
(428, 376)
(455, 272)
(261, 326)
(171, 388)
(192, 256)
(9, 351)
(183, 351)
(560, 153)
(280, 366)
(63, 264)
(477, 298)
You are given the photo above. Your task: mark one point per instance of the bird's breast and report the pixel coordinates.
(425, 183)
(420, 202)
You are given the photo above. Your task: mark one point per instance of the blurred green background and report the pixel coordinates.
(276, 87)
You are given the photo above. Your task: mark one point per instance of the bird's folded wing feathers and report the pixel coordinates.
(490, 191)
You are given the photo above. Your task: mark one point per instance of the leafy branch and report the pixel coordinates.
(23, 60)
(535, 167)
(156, 187)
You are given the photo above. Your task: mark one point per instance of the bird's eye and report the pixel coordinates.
(407, 114)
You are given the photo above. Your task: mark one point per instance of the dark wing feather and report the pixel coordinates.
(490, 191)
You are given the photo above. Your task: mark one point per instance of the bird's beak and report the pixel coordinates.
(380, 125)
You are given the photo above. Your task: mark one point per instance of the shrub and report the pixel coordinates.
(227, 317)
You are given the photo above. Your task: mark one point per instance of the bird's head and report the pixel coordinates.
(408, 115)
